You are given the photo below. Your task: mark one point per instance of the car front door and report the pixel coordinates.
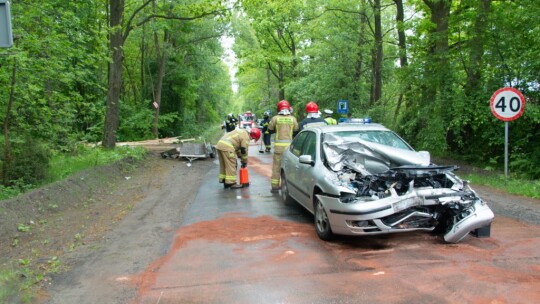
(306, 172)
(290, 165)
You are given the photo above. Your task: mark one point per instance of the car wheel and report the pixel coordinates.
(285, 197)
(212, 152)
(322, 225)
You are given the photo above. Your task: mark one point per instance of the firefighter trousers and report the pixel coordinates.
(227, 167)
(276, 168)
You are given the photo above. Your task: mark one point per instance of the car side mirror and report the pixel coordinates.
(426, 156)
(306, 159)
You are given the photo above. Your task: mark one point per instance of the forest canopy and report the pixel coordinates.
(122, 70)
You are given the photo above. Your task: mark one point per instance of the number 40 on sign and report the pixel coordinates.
(507, 104)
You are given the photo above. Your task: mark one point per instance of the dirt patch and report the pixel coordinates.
(58, 215)
(48, 229)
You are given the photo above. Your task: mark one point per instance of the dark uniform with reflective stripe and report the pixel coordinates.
(231, 145)
(283, 126)
(310, 122)
(266, 134)
(230, 124)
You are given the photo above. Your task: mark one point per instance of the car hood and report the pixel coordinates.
(368, 158)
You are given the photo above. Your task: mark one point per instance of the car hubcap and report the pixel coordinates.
(284, 190)
(322, 219)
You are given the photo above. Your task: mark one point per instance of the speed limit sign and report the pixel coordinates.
(507, 104)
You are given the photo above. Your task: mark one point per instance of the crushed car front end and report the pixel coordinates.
(380, 189)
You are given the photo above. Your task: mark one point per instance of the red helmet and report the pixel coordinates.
(283, 105)
(255, 134)
(312, 107)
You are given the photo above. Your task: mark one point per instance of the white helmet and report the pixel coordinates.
(328, 112)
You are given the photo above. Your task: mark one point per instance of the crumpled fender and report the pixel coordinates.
(482, 216)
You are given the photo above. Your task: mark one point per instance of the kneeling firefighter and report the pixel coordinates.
(231, 145)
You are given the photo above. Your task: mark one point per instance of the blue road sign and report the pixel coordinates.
(343, 106)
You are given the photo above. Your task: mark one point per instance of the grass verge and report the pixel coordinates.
(529, 188)
(64, 165)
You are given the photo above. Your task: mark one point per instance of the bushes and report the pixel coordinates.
(29, 163)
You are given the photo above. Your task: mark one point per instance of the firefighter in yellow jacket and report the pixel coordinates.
(231, 145)
(283, 125)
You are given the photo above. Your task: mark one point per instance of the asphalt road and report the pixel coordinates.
(246, 246)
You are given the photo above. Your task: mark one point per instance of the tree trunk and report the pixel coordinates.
(474, 75)
(161, 54)
(269, 85)
(142, 63)
(403, 62)
(400, 19)
(359, 58)
(437, 71)
(115, 73)
(377, 56)
(281, 82)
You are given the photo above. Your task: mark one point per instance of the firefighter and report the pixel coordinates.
(266, 132)
(313, 117)
(283, 125)
(230, 123)
(231, 145)
(328, 117)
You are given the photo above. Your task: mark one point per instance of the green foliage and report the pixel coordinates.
(64, 165)
(136, 123)
(15, 285)
(307, 50)
(514, 185)
(29, 164)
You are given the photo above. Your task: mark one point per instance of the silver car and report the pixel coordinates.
(363, 179)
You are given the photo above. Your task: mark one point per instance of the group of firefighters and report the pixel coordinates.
(234, 144)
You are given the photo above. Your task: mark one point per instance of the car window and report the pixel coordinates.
(297, 143)
(309, 145)
(387, 138)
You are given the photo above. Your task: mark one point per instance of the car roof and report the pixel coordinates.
(348, 127)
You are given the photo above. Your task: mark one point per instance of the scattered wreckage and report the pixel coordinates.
(190, 151)
(366, 180)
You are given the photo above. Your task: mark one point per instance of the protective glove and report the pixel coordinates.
(244, 165)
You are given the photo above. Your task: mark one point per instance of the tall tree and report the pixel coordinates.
(118, 36)
(402, 46)
(377, 54)
(116, 42)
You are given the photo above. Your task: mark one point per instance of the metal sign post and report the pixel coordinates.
(505, 151)
(507, 104)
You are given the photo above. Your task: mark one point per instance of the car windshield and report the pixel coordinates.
(387, 138)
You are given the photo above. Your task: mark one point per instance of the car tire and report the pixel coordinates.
(212, 152)
(322, 224)
(285, 197)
